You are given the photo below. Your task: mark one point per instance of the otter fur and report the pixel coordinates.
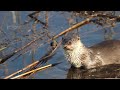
(106, 52)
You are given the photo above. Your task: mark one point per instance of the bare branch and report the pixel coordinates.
(16, 51)
(86, 21)
(44, 59)
(21, 70)
(35, 70)
(32, 71)
(35, 19)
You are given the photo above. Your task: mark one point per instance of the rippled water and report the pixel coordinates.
(57, 23)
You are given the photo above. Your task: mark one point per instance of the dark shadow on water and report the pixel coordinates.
(102, 72)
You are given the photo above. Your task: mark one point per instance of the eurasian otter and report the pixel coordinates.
(104, 53)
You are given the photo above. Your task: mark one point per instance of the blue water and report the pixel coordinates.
(57, 23)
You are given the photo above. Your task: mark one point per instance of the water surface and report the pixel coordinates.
(57, 23)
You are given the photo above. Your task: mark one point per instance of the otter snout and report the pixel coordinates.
(68, 47)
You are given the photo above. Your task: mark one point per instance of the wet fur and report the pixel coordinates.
(106, 52)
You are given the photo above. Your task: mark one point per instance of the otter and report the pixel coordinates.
(104, 53)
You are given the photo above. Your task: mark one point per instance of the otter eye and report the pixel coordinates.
(78, 38)
(69, 43)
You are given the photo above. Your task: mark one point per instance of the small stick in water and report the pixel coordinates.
(35, 70)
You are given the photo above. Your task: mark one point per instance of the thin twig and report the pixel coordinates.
(46, 18)
(43, 59)
(34, 13)
(46, 57)
(35, 19)
(41, 68)
(21, 70)
(35, 70)
(19, 49)
(86, 21)
(2, 48)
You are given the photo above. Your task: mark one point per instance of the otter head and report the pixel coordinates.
(71, 43)
(74, 49)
